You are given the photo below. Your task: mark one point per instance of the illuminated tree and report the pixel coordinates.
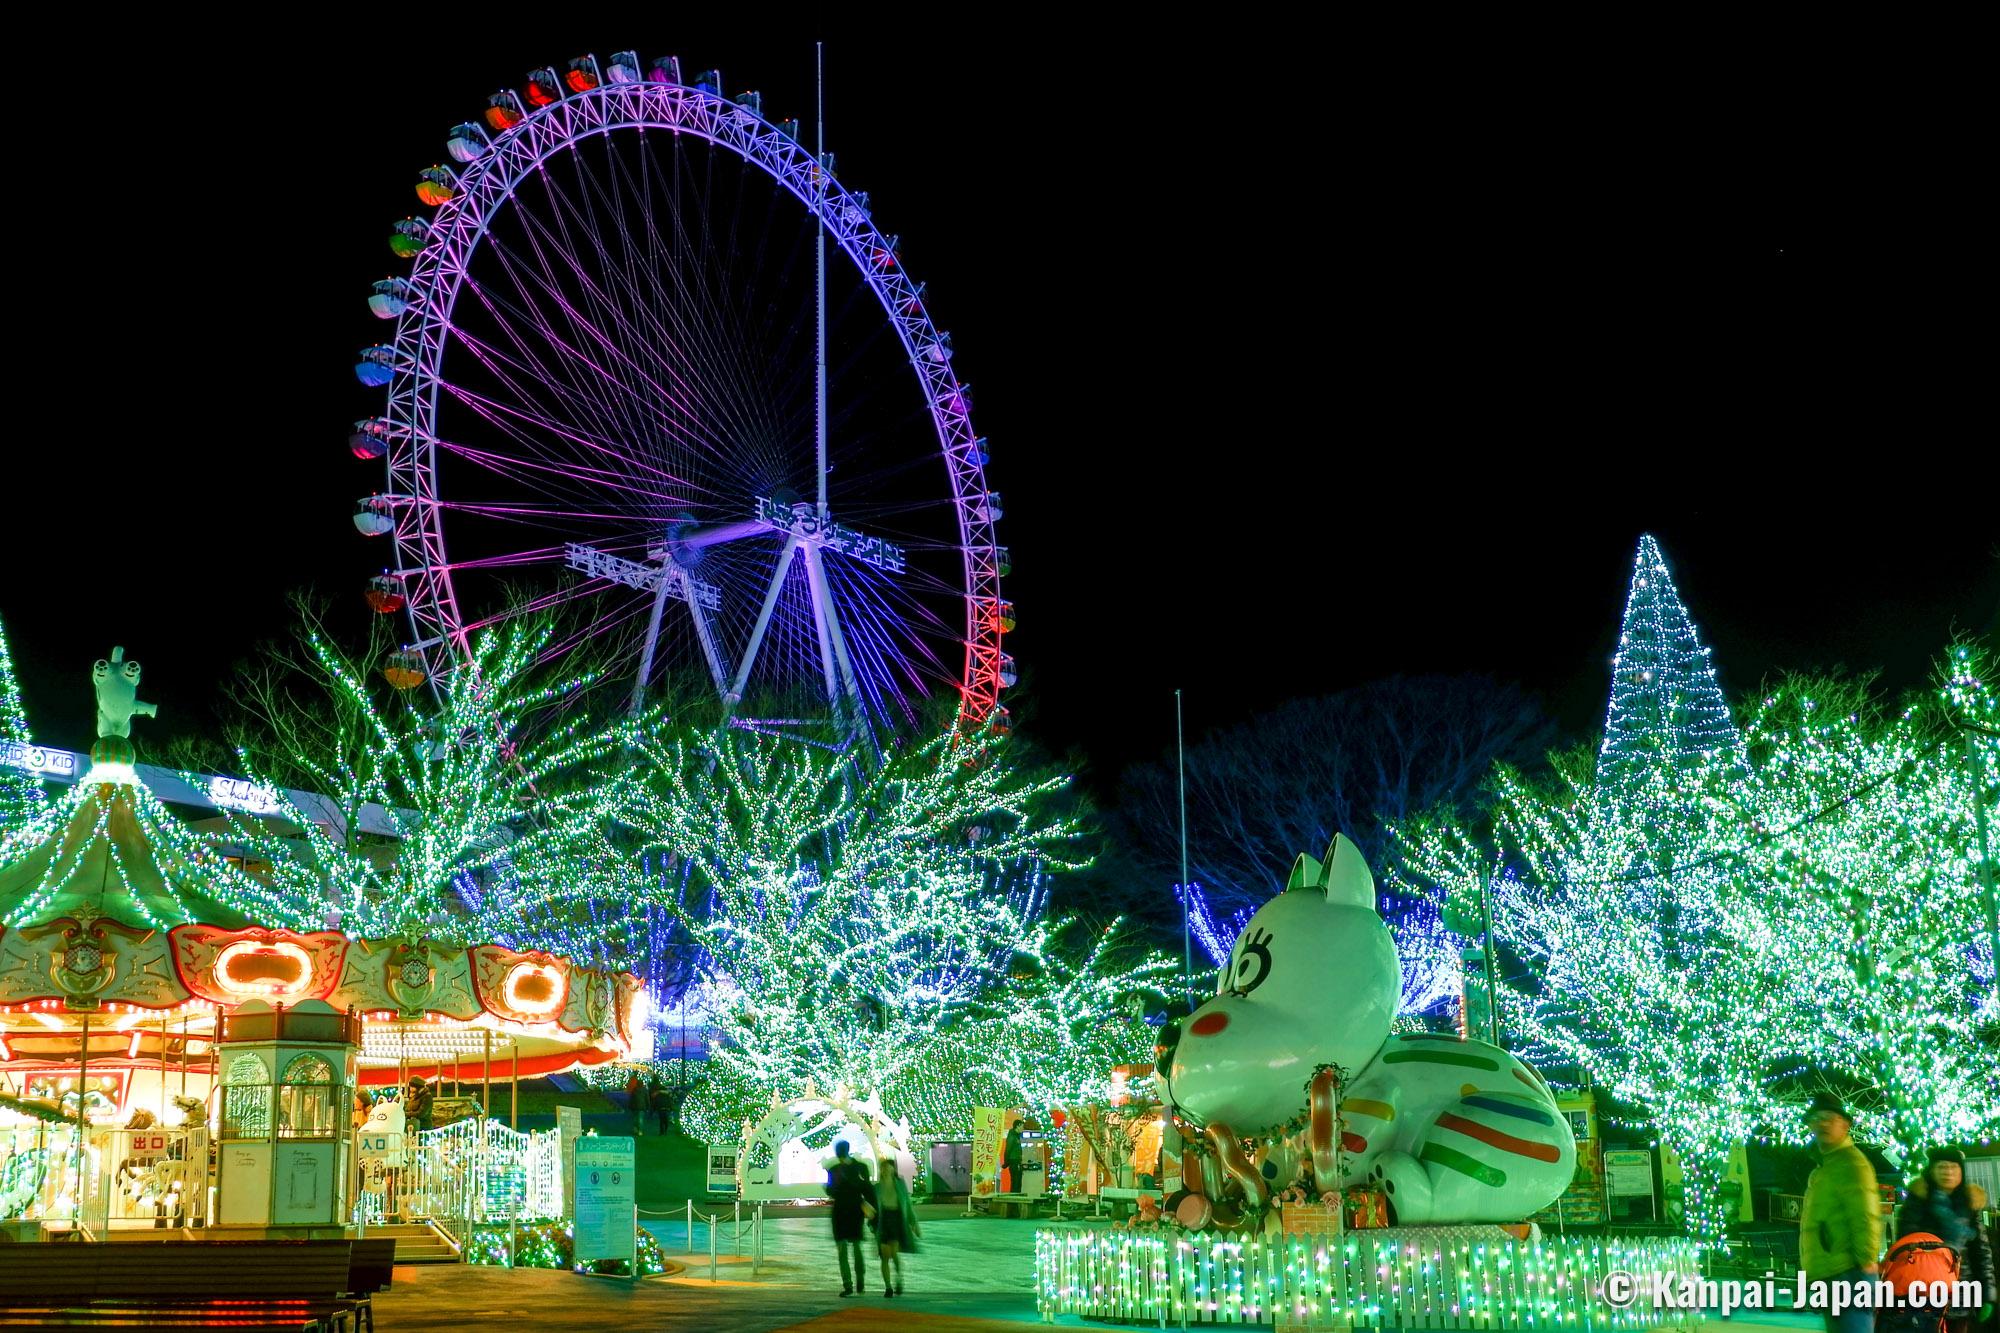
(1071, 1007)
(471, 811)
(1614, 908)
(1666, 707)
(21, 797)
(1712, 943)
(1857, 895)
(859, 912)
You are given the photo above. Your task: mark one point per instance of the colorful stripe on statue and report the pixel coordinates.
(1493, 1138)
(1459, 1162)
(1462, 1058)
(1514, 1109)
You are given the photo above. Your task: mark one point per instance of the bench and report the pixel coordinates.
(298, 1286)
(370, 1269)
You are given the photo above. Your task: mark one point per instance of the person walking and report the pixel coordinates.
(896, 1230)
(1840, 1228)
(848, 1186)
(1947, 1205)
(1010, 1160)
(635, 1103)
(663, 1104)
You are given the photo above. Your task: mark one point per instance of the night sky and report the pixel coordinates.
(1293, 381)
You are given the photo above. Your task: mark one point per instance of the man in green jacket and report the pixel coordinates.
(1840, 1231)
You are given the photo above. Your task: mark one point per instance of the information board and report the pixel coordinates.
(722, 1169)
(606, 1194)
(1628, 1173)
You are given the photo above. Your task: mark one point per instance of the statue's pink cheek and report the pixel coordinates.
(1209, 1024)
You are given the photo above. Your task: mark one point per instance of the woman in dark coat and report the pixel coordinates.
(1948, 1205)
(847, 1185)
(896, 1230)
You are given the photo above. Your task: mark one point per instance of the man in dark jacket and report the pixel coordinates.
(1840, 1229)
(847, 1184)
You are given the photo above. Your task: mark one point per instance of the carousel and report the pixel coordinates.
(168, 1060)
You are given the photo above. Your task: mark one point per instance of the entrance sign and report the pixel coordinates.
(607, 1222)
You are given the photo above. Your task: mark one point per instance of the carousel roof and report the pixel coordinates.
(104, 851)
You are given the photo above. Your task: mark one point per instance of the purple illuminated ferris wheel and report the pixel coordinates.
(653, 365)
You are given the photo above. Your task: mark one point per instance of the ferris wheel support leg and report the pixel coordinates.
(816, 580)
(763, 621)
(706, 633)
(829, 628)
(660, 595)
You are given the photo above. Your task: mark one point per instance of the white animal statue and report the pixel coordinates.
(1449, 1130)
(117, 683)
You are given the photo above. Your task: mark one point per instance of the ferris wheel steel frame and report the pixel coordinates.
(486, 184)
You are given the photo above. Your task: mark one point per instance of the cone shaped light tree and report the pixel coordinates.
(21, 796)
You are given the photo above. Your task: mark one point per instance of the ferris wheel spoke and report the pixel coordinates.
(693, 285)
(550, 473)
(518, 317)
(658, 339)
(677, 332)
(586, 444)
(606, 324)
(615, 418)
(645, 396)
(587, 390)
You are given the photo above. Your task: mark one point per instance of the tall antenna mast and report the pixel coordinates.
(1187, 944)
(819, 275)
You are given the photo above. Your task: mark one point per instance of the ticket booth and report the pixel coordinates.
(282, 1140)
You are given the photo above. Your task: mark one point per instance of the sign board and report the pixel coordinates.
(148, 1145)
(989, 1126)
(569, 1127)
(722, 1169)
(39, 760)
(605, 1191)
(1628, 1173)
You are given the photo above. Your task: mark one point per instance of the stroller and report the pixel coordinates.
(1918, 1258)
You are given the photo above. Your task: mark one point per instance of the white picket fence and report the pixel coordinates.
(474, 1171)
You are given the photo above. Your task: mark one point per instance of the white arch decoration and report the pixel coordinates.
(784, 1153)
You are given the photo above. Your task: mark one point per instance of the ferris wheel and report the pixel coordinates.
(654, 367)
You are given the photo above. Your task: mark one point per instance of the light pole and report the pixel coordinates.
(1187, 944)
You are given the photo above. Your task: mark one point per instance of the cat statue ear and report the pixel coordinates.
(1306, 873)
(1346, 877)
(1343, 876)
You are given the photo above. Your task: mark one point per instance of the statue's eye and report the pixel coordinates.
(1253, 963)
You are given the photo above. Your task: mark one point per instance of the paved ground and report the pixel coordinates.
(973, 1276)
